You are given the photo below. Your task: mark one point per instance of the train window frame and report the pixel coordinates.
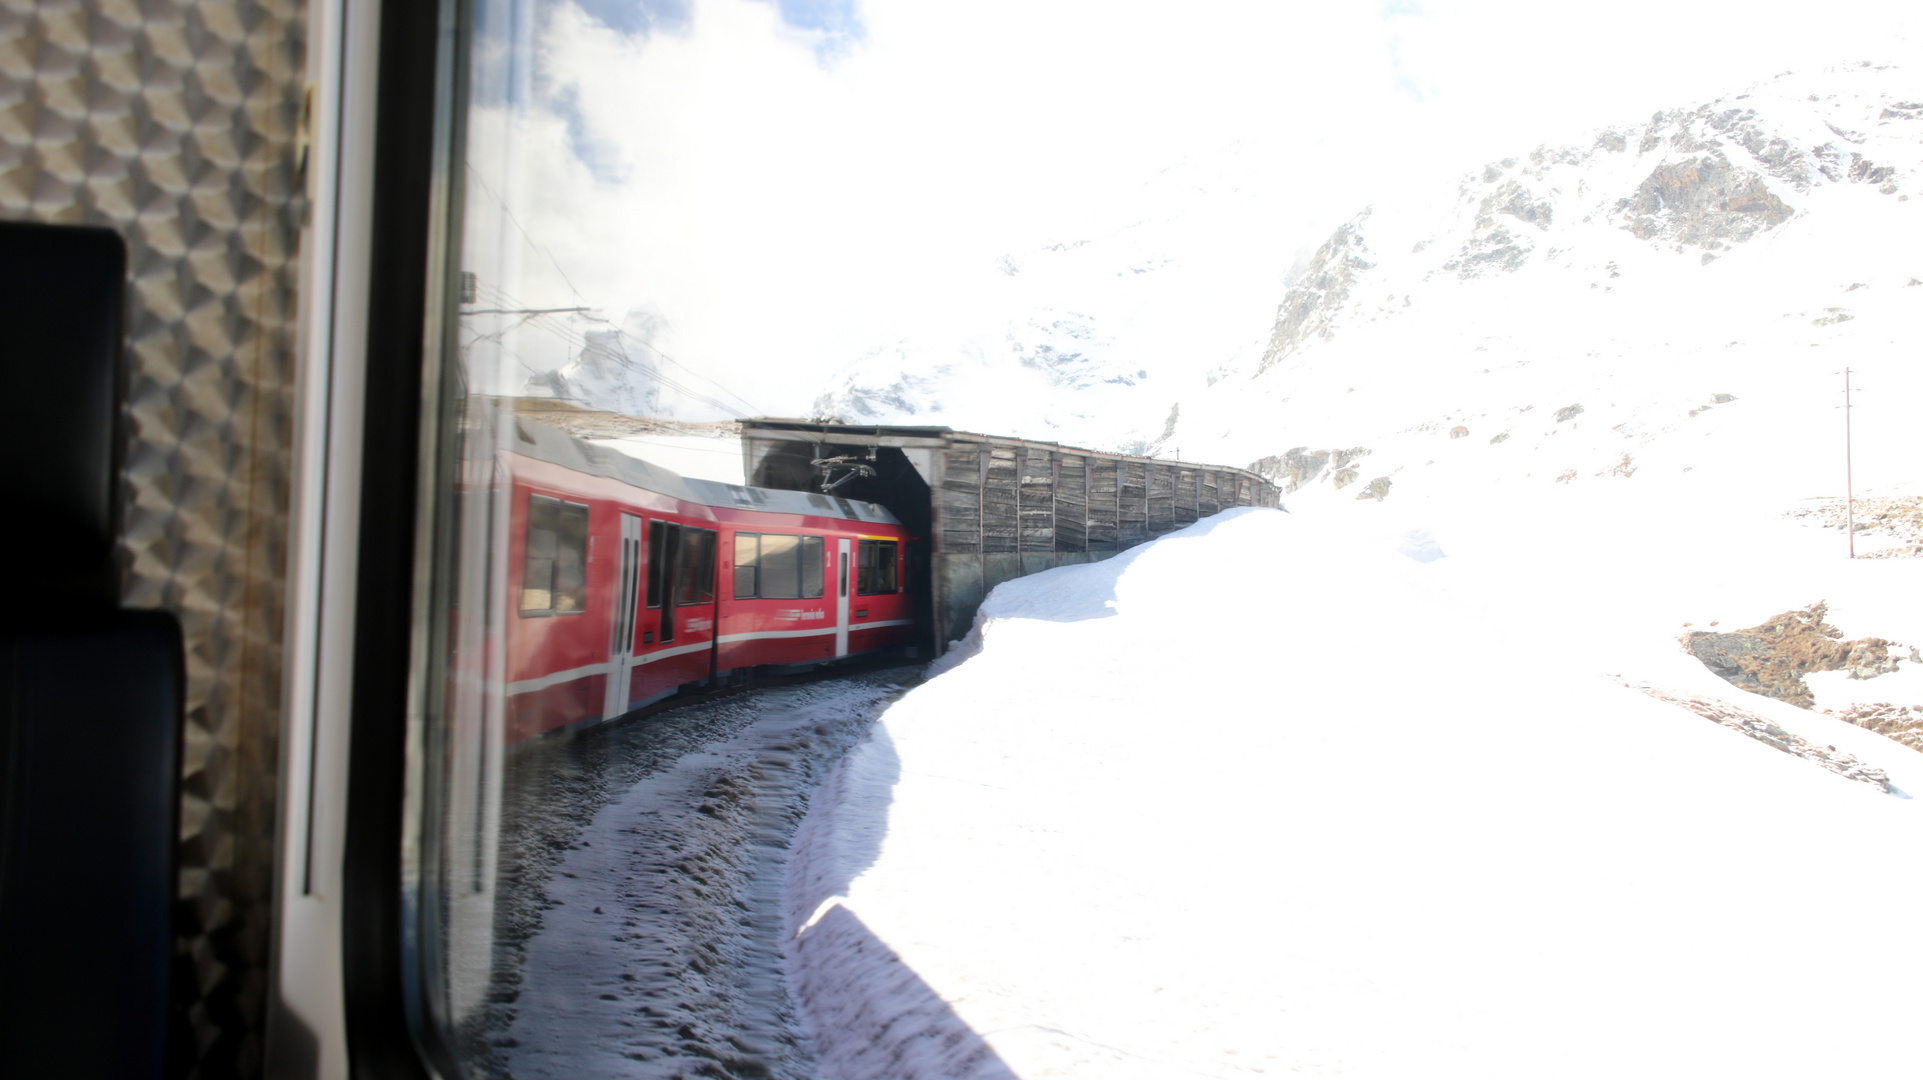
(657, 555)
(809, 573)
(751, 565)
(699, 573)
(869, 569)
(563, 510)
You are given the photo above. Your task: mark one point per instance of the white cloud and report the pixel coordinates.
(785, 214)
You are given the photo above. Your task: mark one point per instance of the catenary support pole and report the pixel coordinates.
(1849, 486)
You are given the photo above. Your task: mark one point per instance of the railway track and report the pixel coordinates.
(644, 860)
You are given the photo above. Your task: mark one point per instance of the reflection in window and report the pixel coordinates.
(772, 566)
(554, 569)
(878, 574)
(695, 584)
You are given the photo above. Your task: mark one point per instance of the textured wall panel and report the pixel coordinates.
(175, 124)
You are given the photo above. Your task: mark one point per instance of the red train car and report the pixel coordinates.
(627, 582)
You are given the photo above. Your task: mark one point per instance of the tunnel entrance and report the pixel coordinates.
(896, 484)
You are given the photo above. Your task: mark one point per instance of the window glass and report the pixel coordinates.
(811, 560)
(877, 573)
(747, 555)
(571, 558)
(662, 548)
(554, 564)
(780, 567)
(695, 584)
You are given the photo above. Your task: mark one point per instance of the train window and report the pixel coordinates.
(663, 546)
(747, 554)
(811, 560)
(879, 559)
(780, 566)
(554, 569)
(772, 566)
(694, 583)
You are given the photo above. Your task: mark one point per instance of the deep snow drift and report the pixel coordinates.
(1345, 795)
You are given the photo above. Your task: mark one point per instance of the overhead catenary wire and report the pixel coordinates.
(506, 304)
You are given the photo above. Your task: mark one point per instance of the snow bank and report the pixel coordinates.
(1345, 795)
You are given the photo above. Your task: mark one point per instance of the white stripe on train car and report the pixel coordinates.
(555, 678)
(759, 635)
(552, 679)
(678, 650)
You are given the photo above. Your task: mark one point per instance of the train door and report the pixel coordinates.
(842, 563)
(621, 646)
(677, 627)
(664, 552)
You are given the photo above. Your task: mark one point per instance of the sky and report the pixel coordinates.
(765, 190)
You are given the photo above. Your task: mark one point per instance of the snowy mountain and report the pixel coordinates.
(606, 374)
(1089, 336)
(1492, 759)
(1574, 313)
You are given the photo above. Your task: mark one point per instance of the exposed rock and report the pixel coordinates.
(1903, 723)
(1498, 438)
(1491, 249)
(1865, 171)
(1308, 310)
(1568, 412)
(1292, 468)
(1518, 202)
(1731, 657)
(1772, 734)
(1702, 200)
(1458, 432)
(1378, 489)
(1898, 521)
(1724, 399)
(1625, 467)
(1174, 417)
(1297, 468)
(1771, 658)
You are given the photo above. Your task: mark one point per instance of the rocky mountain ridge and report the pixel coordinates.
(1700, 180)
(1590, 312)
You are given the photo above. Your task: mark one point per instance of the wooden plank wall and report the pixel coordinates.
(1001, 492)
(1036, 508)
(1134, 504)
(1001, 498)
(1103, 505)
(959, 502)
(1071, 502)
(1161, 499)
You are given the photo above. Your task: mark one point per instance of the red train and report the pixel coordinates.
(626, 582)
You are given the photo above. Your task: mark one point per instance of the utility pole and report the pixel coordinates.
(1849, 486)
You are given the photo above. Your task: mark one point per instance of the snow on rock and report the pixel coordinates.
(1591, 313)
(1281, 794)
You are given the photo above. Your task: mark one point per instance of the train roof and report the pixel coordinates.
(543, 443)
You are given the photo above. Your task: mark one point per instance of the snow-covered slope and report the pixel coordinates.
(1434, 789)
(1371, 816)
(1571, 312)
(1090, 336)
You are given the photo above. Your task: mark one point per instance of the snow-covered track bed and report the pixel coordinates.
(639, 910)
